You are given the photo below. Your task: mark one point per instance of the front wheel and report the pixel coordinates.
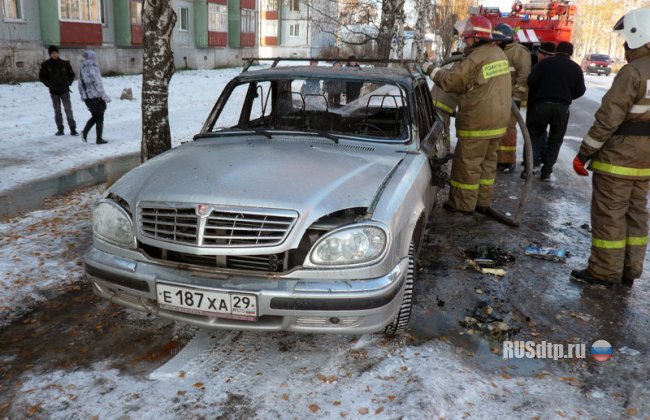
(401, 320)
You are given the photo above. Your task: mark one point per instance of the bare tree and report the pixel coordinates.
(158, 20)
(357, 12)
(358, 21)
(354, 23)
(389, 38)
(420, 28)
(592, 29)
(444, 13)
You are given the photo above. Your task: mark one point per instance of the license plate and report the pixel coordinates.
(215, 303)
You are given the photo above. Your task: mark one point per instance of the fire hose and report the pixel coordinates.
(515, 219)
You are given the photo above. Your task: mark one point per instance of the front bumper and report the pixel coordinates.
(599, 70)
(337, 306)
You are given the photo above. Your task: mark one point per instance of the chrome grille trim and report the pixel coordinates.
(176, 225)
(222, 227)
(273, 263)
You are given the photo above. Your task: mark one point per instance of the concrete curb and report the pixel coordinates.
(30, 196)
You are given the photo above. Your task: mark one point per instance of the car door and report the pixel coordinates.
(430, 126)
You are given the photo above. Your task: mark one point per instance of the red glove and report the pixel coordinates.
(579, 165)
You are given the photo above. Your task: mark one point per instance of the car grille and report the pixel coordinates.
(273, 263)
(270, 263)
(179, 225)
(220, 228)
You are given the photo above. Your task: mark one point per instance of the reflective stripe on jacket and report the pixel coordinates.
(482, 82)
(444, 101)
(627, 101)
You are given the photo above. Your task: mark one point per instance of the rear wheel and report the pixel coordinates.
(401, 320)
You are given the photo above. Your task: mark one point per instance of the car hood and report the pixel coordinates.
(598, 63)
(309, 177)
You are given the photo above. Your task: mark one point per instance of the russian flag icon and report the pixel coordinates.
(601, 351)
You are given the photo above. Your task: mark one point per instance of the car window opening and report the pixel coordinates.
(338, 107)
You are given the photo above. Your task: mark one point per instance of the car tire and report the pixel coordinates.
(401, 320)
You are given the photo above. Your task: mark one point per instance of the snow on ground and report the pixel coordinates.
(40, 252)
(30, 150)
(262, 375)
(234, 374)
(597, 86)
(343, 378)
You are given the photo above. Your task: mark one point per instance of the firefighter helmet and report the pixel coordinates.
(635, 27)
(475, 27)
(503, 32)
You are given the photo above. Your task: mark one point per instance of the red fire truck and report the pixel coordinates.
(534, 22)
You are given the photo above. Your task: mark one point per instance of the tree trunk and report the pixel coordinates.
(390, 9)
(397, 45)
(158, 20)
(420, 30)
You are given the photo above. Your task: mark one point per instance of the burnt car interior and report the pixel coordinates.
(380, 112)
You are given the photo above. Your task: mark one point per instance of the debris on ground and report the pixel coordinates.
(490, 323)
(488, 259)
(484, 270)
(586, 227)
(127, 94)
(547, 253)
(581, 316)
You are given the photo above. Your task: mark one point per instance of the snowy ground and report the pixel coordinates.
(30, 150)
(251, 375)
(278, 375)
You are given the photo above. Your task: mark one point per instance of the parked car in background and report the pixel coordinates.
(597, 64)
(290, 211)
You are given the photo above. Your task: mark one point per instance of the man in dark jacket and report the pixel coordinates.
(553, 83)
(57, 75)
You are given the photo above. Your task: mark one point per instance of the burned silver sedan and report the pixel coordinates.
(295, 208)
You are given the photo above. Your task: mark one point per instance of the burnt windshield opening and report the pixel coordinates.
(329, 107)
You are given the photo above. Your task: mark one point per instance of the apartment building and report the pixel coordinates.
(207, 34)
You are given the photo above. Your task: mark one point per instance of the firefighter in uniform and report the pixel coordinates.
(520, 62)
(618, 146)
(482, 82)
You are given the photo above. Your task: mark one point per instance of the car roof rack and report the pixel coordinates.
(405, 63)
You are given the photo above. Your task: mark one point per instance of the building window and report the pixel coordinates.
(12, 9)
(248, 21)
(102, 12)
(136, 12)
(269, 27)
(82, 10)
(294, 30)
(270, 5)
(294, 5)
(217, 17)
(184, 20)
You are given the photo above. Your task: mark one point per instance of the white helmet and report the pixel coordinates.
(635, 27)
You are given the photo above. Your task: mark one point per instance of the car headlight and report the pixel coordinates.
(113, 224)
(349, 246)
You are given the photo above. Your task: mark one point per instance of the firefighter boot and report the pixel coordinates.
(583, 276)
